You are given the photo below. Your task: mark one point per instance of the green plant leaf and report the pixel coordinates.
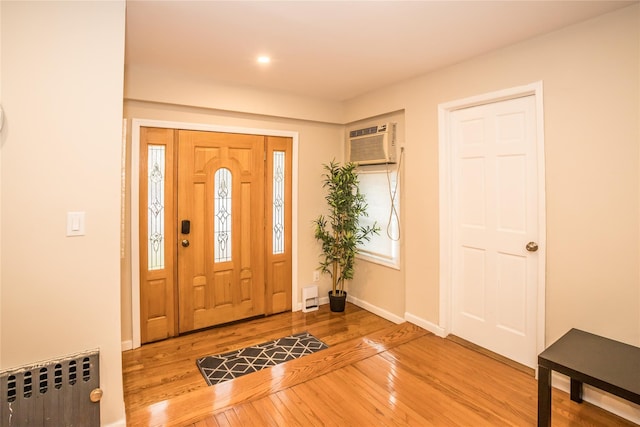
(339, 231)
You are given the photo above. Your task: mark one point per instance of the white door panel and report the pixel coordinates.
(494, 180)
(473, 284)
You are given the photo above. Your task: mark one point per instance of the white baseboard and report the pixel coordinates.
(425, 324)
(127, 345)
(616, 405)
(362, 304)
(119, 423)
(375, 309)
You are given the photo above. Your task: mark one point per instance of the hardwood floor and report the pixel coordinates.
(373, 373)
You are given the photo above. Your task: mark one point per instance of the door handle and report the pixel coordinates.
(532, 246)
(185, 243)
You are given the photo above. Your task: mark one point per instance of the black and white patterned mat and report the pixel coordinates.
(227, 366)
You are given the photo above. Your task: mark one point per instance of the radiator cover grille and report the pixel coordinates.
(54, 393)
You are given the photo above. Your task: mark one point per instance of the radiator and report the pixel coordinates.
(58, 393)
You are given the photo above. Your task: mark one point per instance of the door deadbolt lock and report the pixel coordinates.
(532, 246)
(185, 243)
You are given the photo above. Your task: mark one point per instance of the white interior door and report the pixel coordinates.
(494, 217)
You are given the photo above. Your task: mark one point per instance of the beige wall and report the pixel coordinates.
(591, 99)
(62, 85)
(590, 74)
(2, 138)
(144, 84)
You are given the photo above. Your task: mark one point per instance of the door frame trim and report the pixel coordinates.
(134, 227)
(446, 203)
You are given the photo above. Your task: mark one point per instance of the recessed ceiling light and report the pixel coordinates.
(264, 59)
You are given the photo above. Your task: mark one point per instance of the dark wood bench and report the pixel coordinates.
(586, 358)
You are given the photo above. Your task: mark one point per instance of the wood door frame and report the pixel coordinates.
(134, 226)
(446, 201)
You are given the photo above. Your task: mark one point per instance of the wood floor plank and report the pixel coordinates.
(148, 369)
(232, 417)
(207, 422)
(383, 397)
(222, 420)
(269, 411)
(252, 416)
(298, 408)
(374, 373)
(451, 370)
(288, 414)
(318, 400)
(356, 410)
(262, 383)
(424, 397)
(241, 414)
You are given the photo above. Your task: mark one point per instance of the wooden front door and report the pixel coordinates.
(228, 240)
(221, 257)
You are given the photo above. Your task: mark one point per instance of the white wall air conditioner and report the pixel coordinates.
(372, 145)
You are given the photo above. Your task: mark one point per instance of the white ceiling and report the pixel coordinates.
(333, 50)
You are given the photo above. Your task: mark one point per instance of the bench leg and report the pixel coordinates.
(576, 390)
(544, 397)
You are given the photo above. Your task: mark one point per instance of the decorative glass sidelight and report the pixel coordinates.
(155, 200)
(278, 202)
(222, 215)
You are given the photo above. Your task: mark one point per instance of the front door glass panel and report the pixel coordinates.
(278, 202)
(155, 200)
(222, 215)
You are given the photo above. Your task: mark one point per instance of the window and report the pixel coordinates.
(381, 190)
(278, 202)
(155, 207)
(222, 215)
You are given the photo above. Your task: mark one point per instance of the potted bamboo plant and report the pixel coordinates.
(339, 230)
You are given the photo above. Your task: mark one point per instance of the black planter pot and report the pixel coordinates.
(337, 302)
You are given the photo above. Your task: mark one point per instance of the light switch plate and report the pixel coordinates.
(75, 224)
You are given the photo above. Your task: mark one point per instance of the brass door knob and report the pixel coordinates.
(532, 246)
(185, 243)
(95, 395)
